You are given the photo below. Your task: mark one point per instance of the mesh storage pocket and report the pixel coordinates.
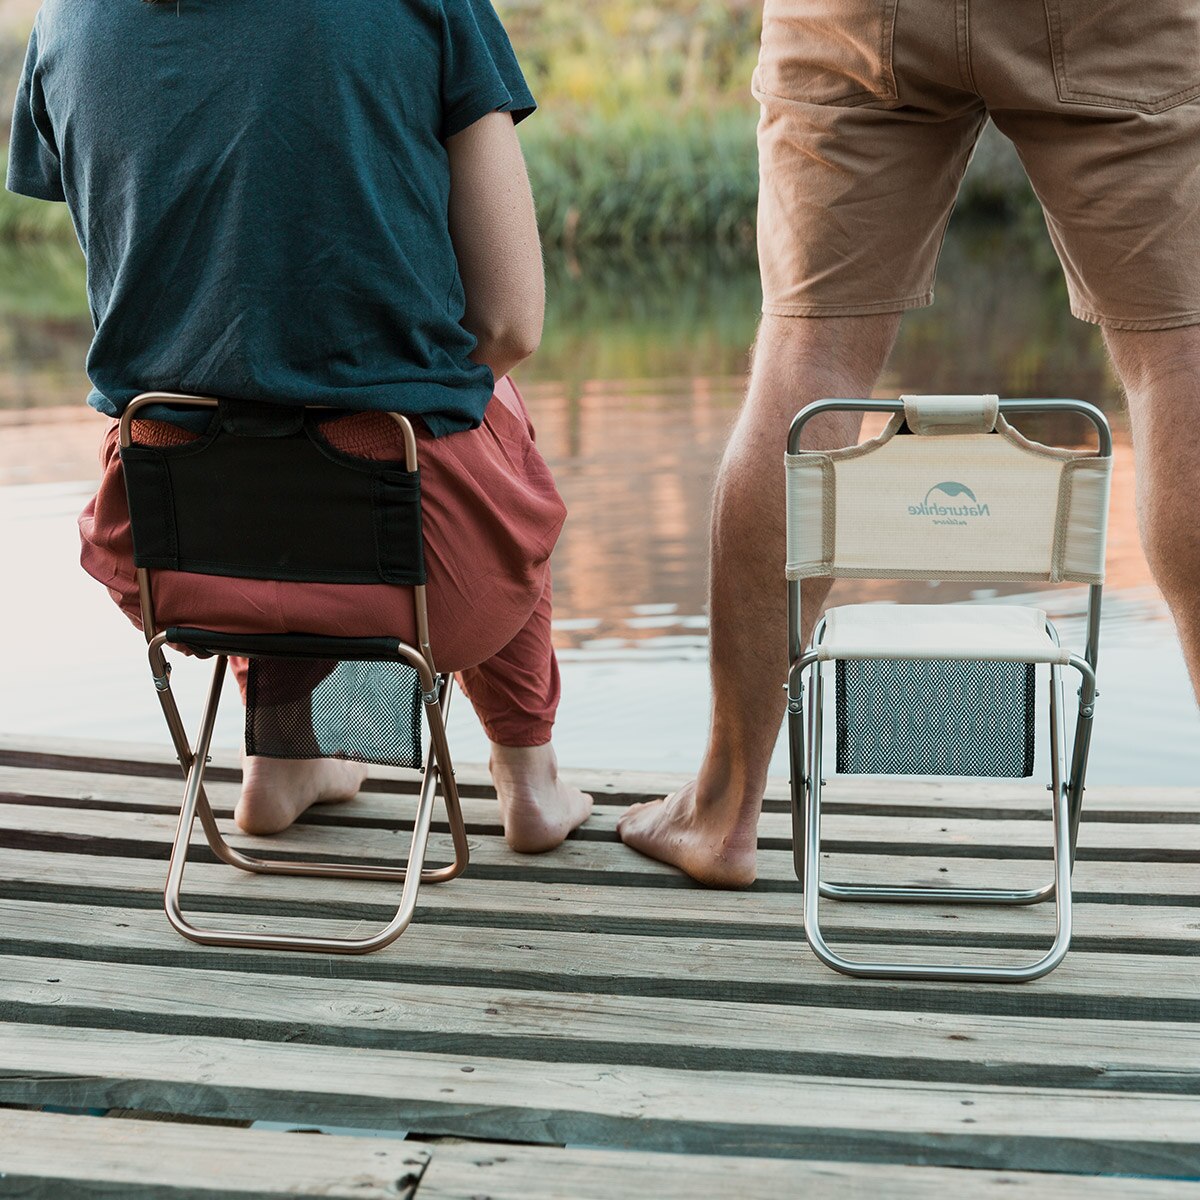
(935, 717)
(323, 708)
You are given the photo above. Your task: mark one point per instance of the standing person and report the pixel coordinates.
(321, 202)
(870, 110)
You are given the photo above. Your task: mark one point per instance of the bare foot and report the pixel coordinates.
(275, 791)
(537, 808)
(704, 843)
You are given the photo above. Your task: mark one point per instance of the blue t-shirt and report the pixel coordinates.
(260, 188)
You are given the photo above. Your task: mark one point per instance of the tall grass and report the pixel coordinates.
(644, 179)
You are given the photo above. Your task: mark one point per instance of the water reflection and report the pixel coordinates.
(633, 392)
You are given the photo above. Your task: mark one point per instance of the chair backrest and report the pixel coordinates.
(261, 494)
(965, 497)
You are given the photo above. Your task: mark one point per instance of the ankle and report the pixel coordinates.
(526, 762)
(727, 793)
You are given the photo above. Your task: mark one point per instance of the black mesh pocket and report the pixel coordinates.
(922, 717)
(322, 708)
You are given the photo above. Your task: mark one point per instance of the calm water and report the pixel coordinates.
(633, 393)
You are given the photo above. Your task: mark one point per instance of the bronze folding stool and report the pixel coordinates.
(262, 494)
(944, 689)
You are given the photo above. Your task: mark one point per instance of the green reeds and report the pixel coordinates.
(643, 179)
(653, 176)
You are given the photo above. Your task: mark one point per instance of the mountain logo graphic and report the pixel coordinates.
(950, 488)
(954, 506)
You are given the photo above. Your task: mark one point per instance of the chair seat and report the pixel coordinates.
(998, 632)
(206, 642)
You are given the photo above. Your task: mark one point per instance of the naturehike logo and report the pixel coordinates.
(949, 514)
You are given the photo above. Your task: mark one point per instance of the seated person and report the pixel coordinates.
(322, 202)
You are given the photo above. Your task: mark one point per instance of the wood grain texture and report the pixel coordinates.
(686, 1037)
(891, 830)
(1112, 986)
(649, 1108)
(503, 1172)
(54, 1155)
(530, 1025)
(384, 798)
(594, 908)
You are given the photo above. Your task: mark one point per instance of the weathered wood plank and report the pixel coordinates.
(1114, 987)
(583, 900)
(635, 1107)
(49, 1154)
(468, 1171)
(383, 798)
(1130, 834)
(126, 834)
(582, 908)
(609, 786)
(529, 1026)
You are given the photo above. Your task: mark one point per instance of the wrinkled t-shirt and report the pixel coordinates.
(260, 188)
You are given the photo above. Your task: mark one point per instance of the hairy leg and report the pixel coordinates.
(709, 828)
(1161, 374)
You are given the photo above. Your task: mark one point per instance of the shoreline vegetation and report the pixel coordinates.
(644, 138)
(639, 181)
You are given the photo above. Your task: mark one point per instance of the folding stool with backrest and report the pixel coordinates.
(948, 491)
(262, 494)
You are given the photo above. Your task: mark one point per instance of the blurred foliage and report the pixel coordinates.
(606, 58)
(646, 131)
(637, 180)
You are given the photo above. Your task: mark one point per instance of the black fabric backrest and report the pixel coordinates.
(263, 495)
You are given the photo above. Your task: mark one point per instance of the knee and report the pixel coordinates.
(820, 352)
(1151, 362)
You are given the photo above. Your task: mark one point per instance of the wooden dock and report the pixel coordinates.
(584, 1023)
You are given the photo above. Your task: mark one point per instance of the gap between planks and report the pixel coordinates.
(645, 1108)
(142, 1159)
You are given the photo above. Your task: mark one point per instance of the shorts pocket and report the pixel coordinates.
(828, 51)
(1121, 54)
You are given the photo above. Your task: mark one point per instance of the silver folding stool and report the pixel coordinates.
(942, 689)
(262, 494)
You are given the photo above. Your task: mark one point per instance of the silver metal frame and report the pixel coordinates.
(436, 690)
(806, 766)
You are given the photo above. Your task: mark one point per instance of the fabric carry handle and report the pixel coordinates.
(935, 416)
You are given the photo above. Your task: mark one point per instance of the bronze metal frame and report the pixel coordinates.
(436, 690)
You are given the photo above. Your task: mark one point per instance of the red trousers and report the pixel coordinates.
(491, 514)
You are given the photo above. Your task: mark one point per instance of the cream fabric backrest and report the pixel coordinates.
(965, 497)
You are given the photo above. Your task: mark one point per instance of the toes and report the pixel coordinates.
(635, 817)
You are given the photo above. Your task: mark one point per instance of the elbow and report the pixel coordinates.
(521, 344)
(507, 345)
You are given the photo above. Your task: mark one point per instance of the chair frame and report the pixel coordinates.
(806, 765)
(436, 691)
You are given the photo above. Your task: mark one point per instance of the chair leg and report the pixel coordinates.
(442, 769)
(806, 795)
(196, 803)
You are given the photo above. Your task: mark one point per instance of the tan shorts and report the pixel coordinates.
(871, 110)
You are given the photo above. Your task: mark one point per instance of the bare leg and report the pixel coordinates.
(1161, 374)
(275, 791)
(709, 828)
(515, 694)
(537, 808)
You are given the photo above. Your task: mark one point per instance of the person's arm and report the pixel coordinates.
(494, 231)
